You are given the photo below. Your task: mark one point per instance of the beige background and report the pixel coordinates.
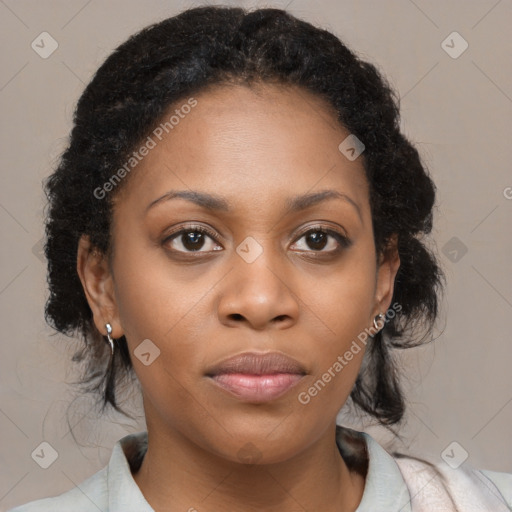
(459, 113)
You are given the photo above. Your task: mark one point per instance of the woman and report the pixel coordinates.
(237, 221)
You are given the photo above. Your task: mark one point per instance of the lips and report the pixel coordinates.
(257, 378)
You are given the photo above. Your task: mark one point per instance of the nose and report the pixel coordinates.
(259, 296)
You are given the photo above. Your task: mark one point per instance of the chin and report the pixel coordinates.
(260, 446)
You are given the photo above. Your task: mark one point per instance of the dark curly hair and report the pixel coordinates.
(183, 55)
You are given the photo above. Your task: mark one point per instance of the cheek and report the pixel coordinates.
(338, 314)
(154, 297)
(342, 300)
(159, 303)
(151, 309)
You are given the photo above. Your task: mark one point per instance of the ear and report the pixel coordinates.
(97, 282)
(389, 263)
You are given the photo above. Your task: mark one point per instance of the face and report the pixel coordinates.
(244, 230)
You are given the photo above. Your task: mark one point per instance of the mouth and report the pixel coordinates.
(257, 378)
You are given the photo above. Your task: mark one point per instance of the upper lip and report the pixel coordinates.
(253, 363)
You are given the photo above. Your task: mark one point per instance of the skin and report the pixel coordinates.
(253, 147)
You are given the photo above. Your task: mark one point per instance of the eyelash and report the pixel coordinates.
(342, 240)
(190, 229)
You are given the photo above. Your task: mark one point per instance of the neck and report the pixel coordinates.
(177, 474)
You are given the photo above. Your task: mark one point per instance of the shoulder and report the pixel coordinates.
(90, 495)
(111, 489)
(396, 481)
(502, 481)
(437, 486)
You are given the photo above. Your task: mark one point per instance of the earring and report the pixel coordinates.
(379, 317)
(109, 337)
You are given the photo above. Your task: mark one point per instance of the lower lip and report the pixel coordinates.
(257, 388)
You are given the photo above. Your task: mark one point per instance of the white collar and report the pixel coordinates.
(384, 485)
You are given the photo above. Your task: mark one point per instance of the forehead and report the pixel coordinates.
(257, 143)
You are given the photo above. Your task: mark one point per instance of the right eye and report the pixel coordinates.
(192, 239)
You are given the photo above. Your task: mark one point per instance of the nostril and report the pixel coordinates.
(236, 316)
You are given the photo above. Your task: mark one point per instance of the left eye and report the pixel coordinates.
(193, 240)
(321, 240)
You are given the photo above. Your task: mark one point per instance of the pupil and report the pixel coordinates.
(193, 241)
(317, 240)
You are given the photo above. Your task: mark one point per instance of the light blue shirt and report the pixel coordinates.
(392, 484)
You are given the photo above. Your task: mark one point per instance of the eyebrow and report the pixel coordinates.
(207, 201)
(216, 203)
(308, 200)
